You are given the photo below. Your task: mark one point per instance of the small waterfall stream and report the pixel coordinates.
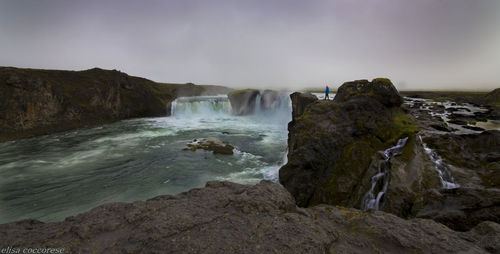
(447, 180)
(380, 181)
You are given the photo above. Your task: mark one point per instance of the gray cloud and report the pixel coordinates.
(425, 44)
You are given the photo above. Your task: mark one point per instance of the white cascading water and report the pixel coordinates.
(447, 180)
(200, 106)
(380, 181)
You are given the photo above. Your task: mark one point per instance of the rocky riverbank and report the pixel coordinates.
(38, 102)
(225, 217)
(368, 150)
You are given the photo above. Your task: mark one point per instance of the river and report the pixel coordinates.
(51, 177)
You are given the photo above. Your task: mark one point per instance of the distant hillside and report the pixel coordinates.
(37, 102)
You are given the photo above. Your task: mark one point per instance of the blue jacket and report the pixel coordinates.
(327, 90)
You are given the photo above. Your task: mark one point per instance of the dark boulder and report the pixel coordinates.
(214, 145)
(300, 102)
(243, 102)
(380, 89)
(461, 209)
(493, 98)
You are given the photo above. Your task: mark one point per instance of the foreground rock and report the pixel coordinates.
(225, 217)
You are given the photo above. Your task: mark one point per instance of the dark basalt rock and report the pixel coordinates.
(214, 145)
(475, 158)
(226, 217)
(461, 209)
(37, 102)
(300, 101)
(331, 144)
(474, 128)
(441, 127)
(381, 89)
(243, 102)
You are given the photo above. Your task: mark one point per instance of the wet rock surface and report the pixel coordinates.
(225, 217)
(214, 145)
(475, 158)
(462, 208)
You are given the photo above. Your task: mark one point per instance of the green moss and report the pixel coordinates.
(408, 151)
(401, 126)
(349, 169)
(381, 80)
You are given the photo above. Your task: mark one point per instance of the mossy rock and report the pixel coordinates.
(214, 145)
(380, 89)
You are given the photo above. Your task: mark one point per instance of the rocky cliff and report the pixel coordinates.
(365, 150)
(332, 143)
(225, 217)
(37, 102)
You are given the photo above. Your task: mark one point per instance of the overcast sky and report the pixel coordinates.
(419, 44)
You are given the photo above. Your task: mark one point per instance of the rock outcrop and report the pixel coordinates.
(214, 145)
(380, 89)
(300, 102)
(243, 102)
(38, 102)
(332, 144)
(225, 217)
(339, 154)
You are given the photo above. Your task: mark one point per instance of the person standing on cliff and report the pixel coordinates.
(327, 92)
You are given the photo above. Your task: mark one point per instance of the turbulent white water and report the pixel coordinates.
(51, 177)
(380, 181)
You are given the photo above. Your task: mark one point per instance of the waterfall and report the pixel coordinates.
(258, 107)
(380, 181)
(200, 106)
(447, 180)
(172, 107)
